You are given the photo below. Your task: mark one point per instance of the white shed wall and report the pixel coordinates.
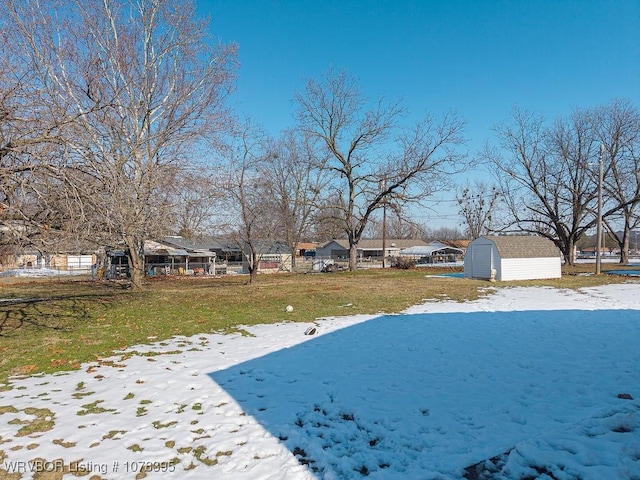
(529, 268)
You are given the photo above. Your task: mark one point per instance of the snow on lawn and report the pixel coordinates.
(524, 383)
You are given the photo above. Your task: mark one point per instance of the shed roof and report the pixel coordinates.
(520, 246)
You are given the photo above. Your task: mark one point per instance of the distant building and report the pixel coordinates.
(434, 252)
(339, 249)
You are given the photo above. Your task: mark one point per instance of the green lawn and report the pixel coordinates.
(57, 325)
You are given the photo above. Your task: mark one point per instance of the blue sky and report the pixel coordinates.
(480, 58)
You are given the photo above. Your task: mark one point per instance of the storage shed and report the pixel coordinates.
(512, 258)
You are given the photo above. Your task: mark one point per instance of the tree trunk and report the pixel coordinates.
(136, 264)
(568, 252)
(293, 255)
(624, 250)
(353, 257)
(253, 275)
(254, 265)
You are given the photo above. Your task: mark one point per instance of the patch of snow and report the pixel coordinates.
(41, 272)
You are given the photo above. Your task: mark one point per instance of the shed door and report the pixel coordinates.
(481, 261)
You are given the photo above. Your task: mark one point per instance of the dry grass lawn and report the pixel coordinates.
(48, 326)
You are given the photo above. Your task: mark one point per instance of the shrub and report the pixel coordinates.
(404, 263)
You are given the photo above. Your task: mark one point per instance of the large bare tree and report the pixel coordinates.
(372, 156)
(545, 176)
(140, 86)
(617, 128)
(549, 173)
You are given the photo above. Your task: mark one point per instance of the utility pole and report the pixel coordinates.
(384, 226)
(599, 228)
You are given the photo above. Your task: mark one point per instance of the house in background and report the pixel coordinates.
(225, 249)
(460, 243)
(512, 257)
(62, 255)
(306, 249)
(211, 255)
(176, 255)
(274, 257)
(16, 257)
(590, 252)
(367, 248)
(160, 258)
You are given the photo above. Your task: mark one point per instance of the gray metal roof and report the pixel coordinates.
(519, 246)
(157, 248)
(429, 250)
(202, 244)
(376, 244)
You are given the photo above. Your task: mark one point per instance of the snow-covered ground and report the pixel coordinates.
(42, 272)
(523, 383)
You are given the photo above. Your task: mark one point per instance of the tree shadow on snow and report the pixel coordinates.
(424, 396)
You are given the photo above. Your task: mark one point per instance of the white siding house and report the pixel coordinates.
(512, 258)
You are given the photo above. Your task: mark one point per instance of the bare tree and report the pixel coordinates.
(249, 204)
(294, 178)
(139, 86)
(444, 234)
(326, 220)
(398, 225)
(30, 147)
(545, 176)
(366, 146)
(197, 200)
(617, 127)
(477, 204)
